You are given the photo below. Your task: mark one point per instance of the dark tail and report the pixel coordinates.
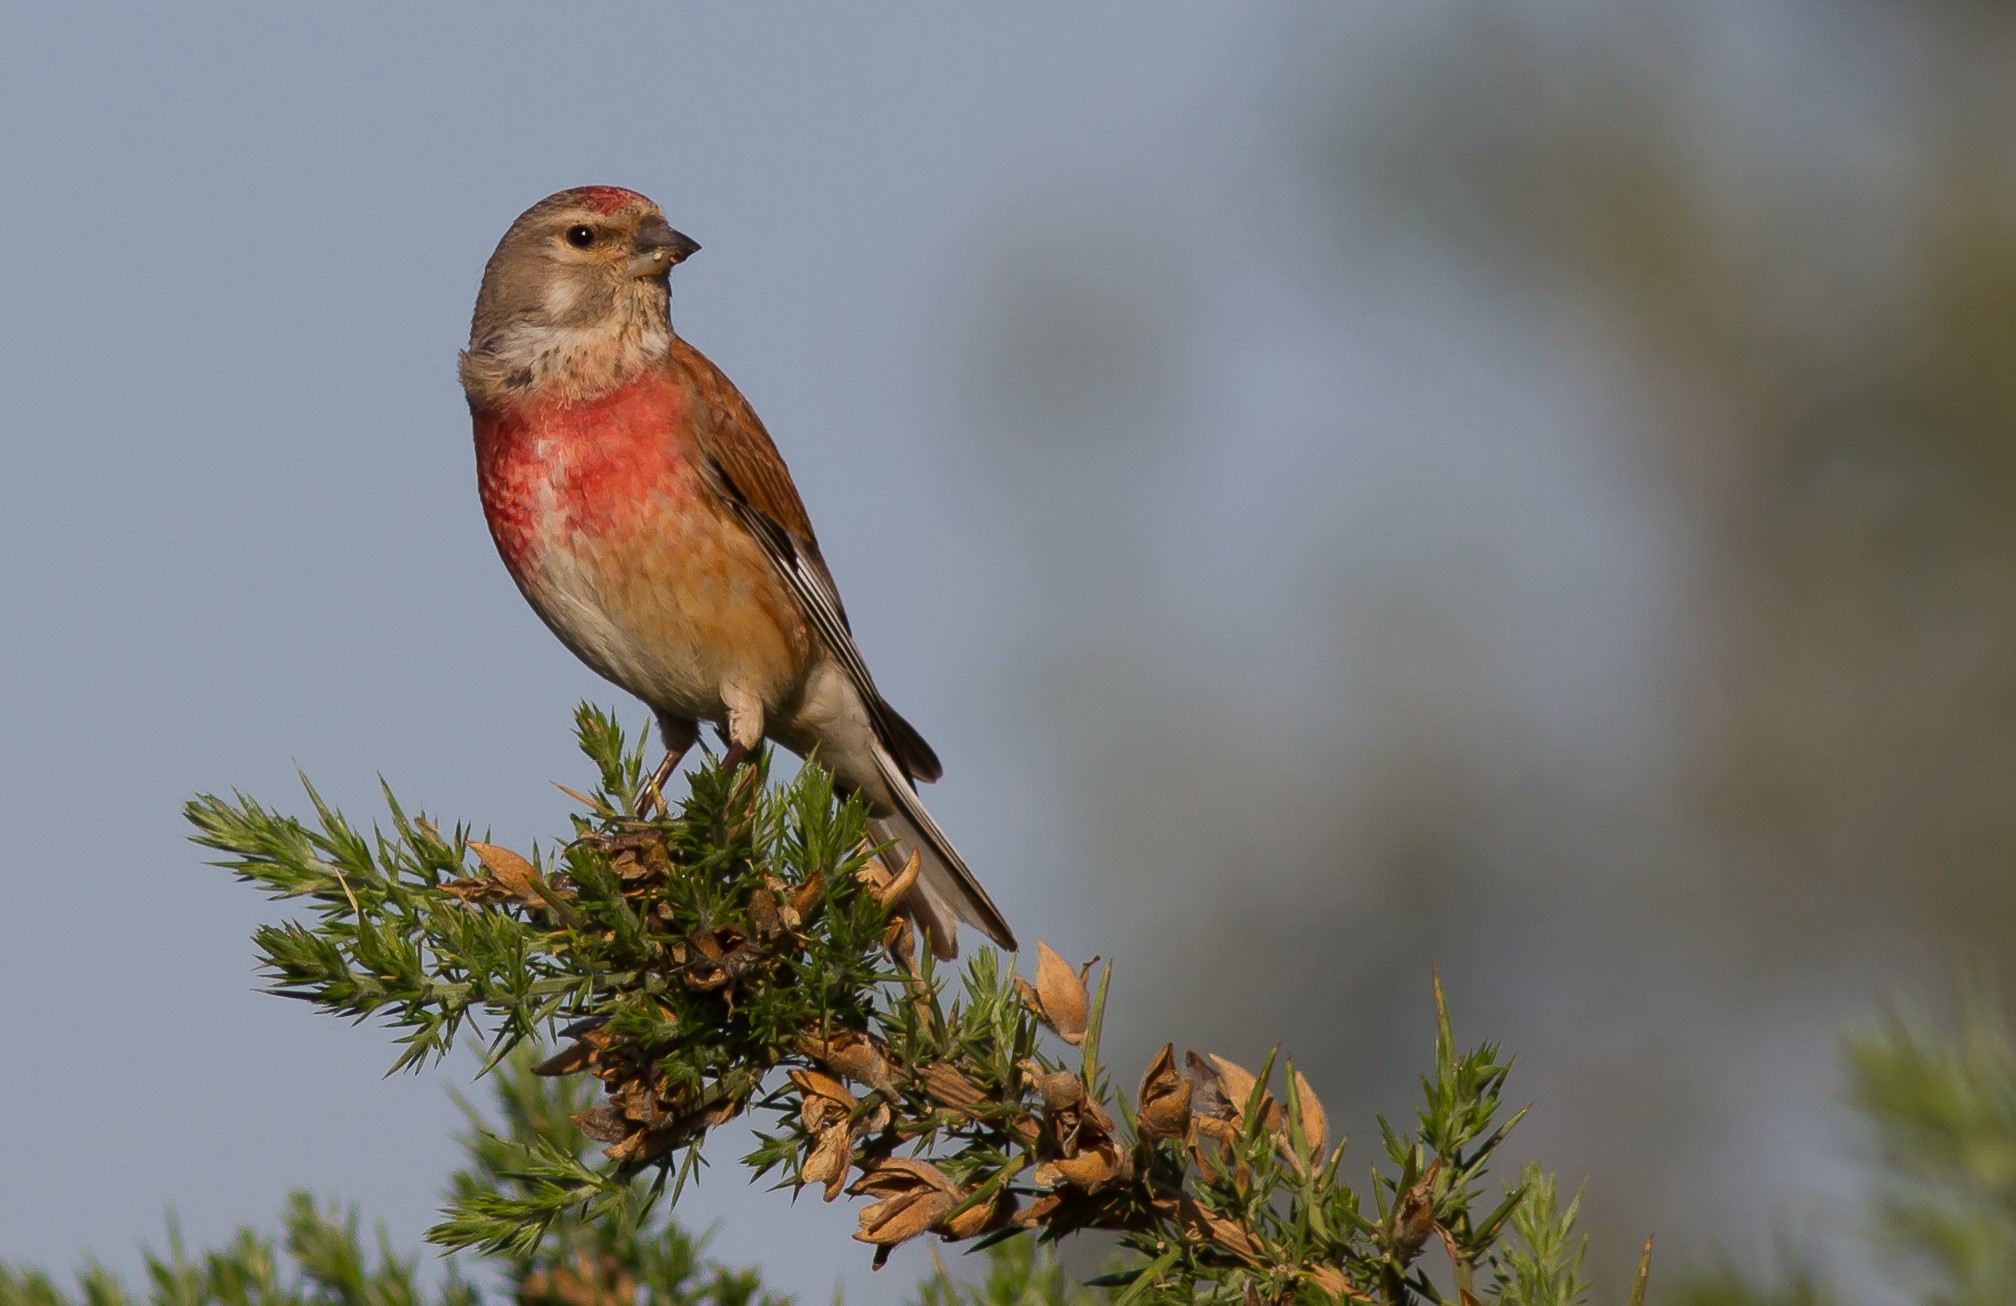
(948, 885)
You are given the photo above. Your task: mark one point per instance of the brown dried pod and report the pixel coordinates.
(1078, 1147)
(637, 858)
(874, 872)
(1219, 1230)
(1034, 1214)
(1093, 1167)
(816, 1086)
(1212, 1111)
(1163, 1109)
(1061, 995)
(766, 919)
(1236, 1082)
(479, 891)
(1060, 1090)
(604, 1124)
(826, 1108)
(892, 893)
(1412, 1218)
(1315, 1125)
(1331, 1280)
(950, 1088)
(914, 1195)
(510, 870)
(580, 1054)
(826, 1165)
(899, 940)
(719, 957)
(978, 1218)
(850, 1053)
(648, 1145)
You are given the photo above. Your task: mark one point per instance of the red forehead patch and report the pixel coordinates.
(606, 199)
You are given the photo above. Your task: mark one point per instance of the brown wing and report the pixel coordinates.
(742, 449)
(751, 476)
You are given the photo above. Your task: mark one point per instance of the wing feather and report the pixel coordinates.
(752, 478)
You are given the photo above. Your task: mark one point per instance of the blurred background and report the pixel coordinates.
(1528, 489)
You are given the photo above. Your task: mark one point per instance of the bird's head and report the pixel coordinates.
(575, 292)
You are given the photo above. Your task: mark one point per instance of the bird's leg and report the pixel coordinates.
(744, 729)
(745, 724)
(653, 793)
(680, 734)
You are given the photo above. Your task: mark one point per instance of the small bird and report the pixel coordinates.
(651, 523)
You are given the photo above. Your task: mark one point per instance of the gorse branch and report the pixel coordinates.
(745, 954)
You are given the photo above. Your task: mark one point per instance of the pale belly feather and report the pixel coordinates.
(676, 605)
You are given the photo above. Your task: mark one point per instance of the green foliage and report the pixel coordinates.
(748, 952)
(1729, 1287)
(1943, 1112)
(581, 1258)
(318, 1258)
(1020, 1272)
(1941, 1109)
(321, 1259)
(1544, 1267)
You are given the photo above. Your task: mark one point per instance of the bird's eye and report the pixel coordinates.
(581, 237)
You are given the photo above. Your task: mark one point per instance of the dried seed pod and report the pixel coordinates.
(1212, 1111)
(1163, 1109)
(585, 1281)
(826, 1165)
(949, 1088)
(581, 1054)
(1077, 1143)
(1412, 1219)
(1039, 1210)
(798, 906)
(510, 870)
(649, 1144)
(892, 893)
(899, 940)
(826, 1109)
(980, 1217)
(1060, 1090)
(1219, 1230)
(1315, 1125)
(914, 1195)
(479, 891)
(1061, 995)
(850, 1053)
(1235, 1081)
(604, 1123)
(766, 918)
(719, 957)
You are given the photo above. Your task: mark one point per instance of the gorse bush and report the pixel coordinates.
(320, 1258)
(1941, 1219)
(745, 956)
(646, 981)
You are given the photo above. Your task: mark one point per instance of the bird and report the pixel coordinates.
(647, 517)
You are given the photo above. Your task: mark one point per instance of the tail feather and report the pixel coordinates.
(949, 888)
(907, 746)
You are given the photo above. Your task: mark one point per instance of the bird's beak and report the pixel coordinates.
(658, 248)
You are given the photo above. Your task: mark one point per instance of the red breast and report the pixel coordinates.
(550, 472)
(599, 511)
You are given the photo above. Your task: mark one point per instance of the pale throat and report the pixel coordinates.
(573, 362)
